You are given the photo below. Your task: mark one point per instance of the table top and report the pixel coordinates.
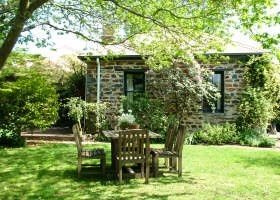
(114, 134)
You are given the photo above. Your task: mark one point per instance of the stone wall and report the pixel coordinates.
(112, 80)
(112, 87)
(233, 85)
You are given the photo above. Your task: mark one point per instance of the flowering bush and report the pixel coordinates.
(126, 119)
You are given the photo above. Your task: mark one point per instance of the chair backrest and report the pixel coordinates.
(172, 131)
(180, 139)
(77, 131)
(133, 144)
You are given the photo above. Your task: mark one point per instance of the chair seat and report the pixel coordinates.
(93, 153)
(163, 152)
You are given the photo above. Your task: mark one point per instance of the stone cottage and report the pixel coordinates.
(109, 79)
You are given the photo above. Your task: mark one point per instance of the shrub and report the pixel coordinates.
(214, 134)
(10, 137)
(266, 142)
(27, 99)
(255, 110)
(228, 134)
(253, 138)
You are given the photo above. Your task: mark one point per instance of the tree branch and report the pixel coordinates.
(155, 21)
(85, 36)
(35, 4)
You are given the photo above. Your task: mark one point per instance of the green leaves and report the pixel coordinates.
(260, 100)
(79, 109)
(29, 100)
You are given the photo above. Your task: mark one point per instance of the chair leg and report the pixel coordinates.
(147, 174)
(166, 162)
(179, 166)
(155, 167)
(174, 163)
(79, 167)
(142, 170)
(153, 164)
(170, 164)
(120, 173)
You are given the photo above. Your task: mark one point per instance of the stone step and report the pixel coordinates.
(35, 142)
(48, 137)
(53, 130)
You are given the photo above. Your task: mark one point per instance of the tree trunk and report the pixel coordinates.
(11, 39)
(14, 33)
(24, 12)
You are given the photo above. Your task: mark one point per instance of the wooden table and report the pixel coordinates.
(114, 136)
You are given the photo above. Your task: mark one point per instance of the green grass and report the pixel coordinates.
(209, 172)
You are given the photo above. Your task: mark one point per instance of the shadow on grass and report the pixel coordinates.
(269, 160)
(50, 172)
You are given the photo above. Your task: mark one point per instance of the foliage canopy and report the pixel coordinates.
(178, 25)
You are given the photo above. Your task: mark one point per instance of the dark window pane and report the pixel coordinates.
(134, 83)
(218, 81)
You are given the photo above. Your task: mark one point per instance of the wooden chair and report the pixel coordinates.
(172, 130)
(87, 154)
(134, 147)
(174, 154)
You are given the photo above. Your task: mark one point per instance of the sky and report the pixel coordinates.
(70, 45)
(63, 44)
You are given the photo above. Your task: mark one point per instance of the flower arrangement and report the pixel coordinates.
(126, 120)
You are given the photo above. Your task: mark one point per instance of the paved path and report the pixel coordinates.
(64, 135)
(277, 138)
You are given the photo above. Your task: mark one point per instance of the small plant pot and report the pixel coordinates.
(136, 126)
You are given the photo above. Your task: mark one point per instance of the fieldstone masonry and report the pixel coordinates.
(111, 80)
(112, 87)
(233, 85)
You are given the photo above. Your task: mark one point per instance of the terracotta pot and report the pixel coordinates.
(136, 126)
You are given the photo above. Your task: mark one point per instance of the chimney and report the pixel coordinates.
(108, 34)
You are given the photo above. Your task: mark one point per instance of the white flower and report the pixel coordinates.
(126, 118)
(129, 111)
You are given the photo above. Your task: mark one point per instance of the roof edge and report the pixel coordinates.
(136, 57)
(115, 57)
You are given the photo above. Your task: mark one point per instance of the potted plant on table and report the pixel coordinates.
(127, 121)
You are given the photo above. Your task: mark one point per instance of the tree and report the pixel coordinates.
(182, 91)
(181, 25)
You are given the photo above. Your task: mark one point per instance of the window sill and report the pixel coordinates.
(214, 114)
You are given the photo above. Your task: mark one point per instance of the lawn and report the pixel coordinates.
(209, 172)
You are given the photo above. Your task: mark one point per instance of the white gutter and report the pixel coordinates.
(86, 86)
(98, 92)
(98, 80)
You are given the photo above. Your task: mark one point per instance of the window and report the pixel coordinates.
(134, 83)
(218, 81)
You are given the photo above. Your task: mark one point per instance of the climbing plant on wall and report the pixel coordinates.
(260, 100)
